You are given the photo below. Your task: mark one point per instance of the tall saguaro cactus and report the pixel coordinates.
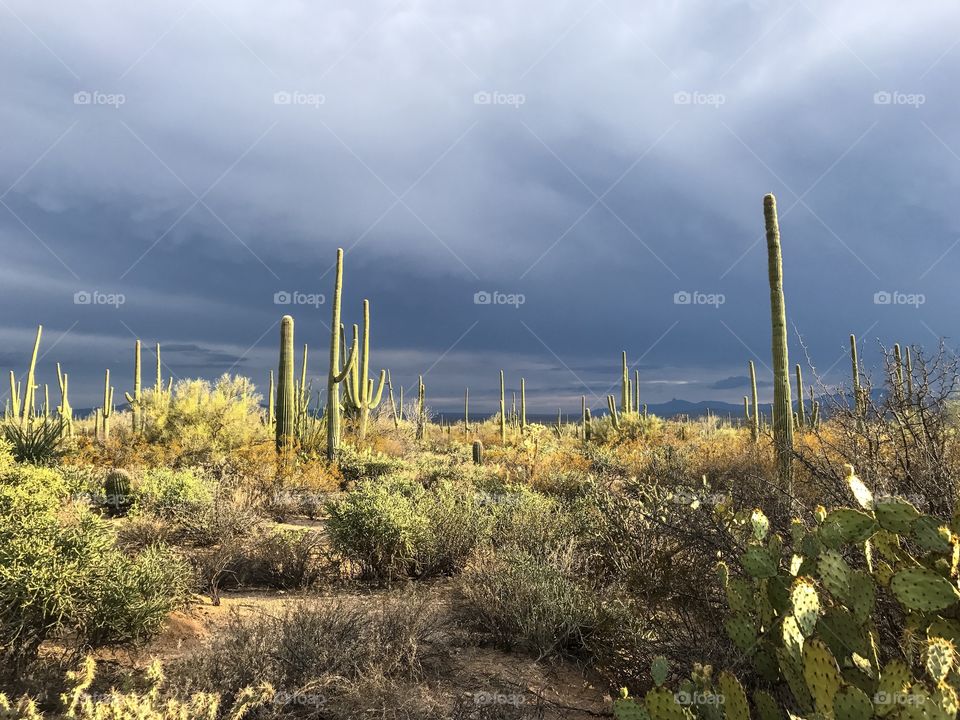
(30, 387)
(286, 391)
(523, 405)
(270, 403)
(625, 398)
(135, 402)
(336, 375)
(755, 421)
(65, 411)
(360, 396)
(782, 406)
(107, 410)
(801, 413)
(503, 412)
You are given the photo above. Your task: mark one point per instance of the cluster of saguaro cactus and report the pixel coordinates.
(336, 374)
(806, 619)
(23, 397)
(359, 395)
(629, 394)
(782, 407)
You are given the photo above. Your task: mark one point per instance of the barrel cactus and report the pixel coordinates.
(116, 491)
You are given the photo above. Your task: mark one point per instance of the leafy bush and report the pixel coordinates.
(60, 570)
(285, 559)
(357, 465)
(165, 492)
(205, 421)
(396, 527)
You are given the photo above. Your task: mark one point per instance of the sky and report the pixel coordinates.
(533, 186)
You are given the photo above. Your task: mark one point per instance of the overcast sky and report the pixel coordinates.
(595, 163)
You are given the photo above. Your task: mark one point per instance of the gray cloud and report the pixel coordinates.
(631, 171)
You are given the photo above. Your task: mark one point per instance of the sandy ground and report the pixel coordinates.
(477, 675)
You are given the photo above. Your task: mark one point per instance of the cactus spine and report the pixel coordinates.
(335, 375)
(286, 393)
(782, 415)
(359, 396)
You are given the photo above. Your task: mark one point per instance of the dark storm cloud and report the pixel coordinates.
(735, 382)
(604, 162)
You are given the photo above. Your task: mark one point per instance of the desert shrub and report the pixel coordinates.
(356, 465)
(315, 652)
(166, 493)
(60, 571)
(6, 457)
(537, 604)
(203, 524)
(206, 422)
(284, 559)
(528, 520)
(396, 527)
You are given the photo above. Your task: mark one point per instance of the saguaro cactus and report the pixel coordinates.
(30, 387)
(359, 395)
(421, 409)
(503, 412)
(335, 375)
(107, 410)
(65, 411)
(477, 452)
(523, 405)
(801, 413)
(625, 379)
(270, 403)
(466, 410)
(135, 402)
(782, 406)
(858, 405)
(755, 423)
(286, 392)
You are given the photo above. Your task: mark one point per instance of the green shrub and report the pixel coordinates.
(61, 571)
(357, 465)
(284, 559)
(395, 527)
(378, 527)
(166, 493)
